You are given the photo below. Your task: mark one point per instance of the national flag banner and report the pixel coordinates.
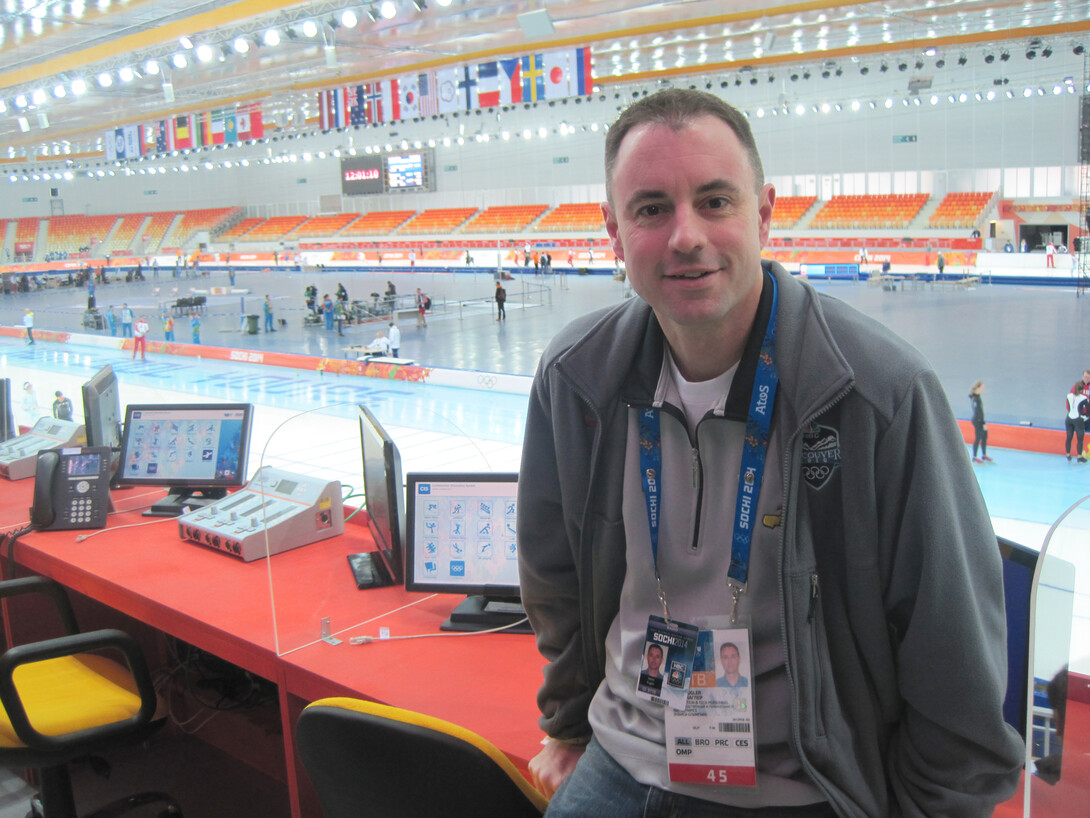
(446, 89)
(333, 109)
(409, 88)
(356, 115)
(230, 125)
(567, 73)
(372, 101)
(114, 143)
(390, 110)
(468, 91)
(204, 131)
(134, 141)
(257, 122)
(219, 127)
(533, 78)
(242, 123)
(488, 84)
(164, 136)
(183, 132)
(510, 80)
(429, 98)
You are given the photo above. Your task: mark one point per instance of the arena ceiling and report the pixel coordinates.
(56, 55)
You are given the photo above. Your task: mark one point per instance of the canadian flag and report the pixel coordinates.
(391, 101)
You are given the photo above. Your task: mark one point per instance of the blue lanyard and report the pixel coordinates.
(751, 474)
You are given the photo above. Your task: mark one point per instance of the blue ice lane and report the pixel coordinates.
(446, 410)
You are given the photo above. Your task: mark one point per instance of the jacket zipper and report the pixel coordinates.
(822, 782)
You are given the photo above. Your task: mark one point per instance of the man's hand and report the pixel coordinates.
(551, 767)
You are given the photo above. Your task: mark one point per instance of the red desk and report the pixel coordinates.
(222, 605)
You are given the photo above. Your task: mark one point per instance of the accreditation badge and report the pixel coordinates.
(667, 663)
(710, 740)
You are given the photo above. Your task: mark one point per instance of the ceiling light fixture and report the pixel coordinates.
(388, 9)
(241, 45)
(271, 37)
(349, 19)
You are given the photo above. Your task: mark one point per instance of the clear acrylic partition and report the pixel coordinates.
(1059, 643)
(312, 590)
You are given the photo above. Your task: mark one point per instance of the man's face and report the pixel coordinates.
(728, 655)
(654, 659)
(688, 223)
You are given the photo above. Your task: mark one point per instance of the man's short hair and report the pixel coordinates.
(676, 108)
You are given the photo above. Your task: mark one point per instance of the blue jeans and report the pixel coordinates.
(602, 788)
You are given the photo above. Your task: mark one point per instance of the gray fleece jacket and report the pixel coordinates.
(891, 594)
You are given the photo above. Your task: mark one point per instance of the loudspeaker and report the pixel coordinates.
(7, 420)
(1076, 244)
(991, 229)
(1084, 132)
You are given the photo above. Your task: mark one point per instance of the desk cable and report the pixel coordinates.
(87, 536)
(12, 537)
(367, 640)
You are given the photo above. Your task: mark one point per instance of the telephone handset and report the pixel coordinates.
(71, 488)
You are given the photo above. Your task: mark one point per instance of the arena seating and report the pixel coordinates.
(378, 223)
(789, 209)
(324, 226)
(572, 217)
(960, 210)
(68, 234)
(274, 228)
(438, 220)
(869, 211)
(241, 228)
(208, 219)
(124, 236)
(504, 219)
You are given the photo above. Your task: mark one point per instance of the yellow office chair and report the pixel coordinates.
(368, 760)
(64, 698)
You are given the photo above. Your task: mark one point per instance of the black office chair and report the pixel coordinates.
(368, 760)
(66, 698)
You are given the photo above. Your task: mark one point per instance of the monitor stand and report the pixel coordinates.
(180, 500)
(481, 613)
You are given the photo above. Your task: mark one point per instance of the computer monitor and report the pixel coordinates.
(382, 487)
(461, 539)
(197, 450)
(1019, 564)
(102, 413)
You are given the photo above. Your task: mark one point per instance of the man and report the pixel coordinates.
(268, 308)
(126, 320)
(379, 345)
(731, 659)
(140, 338)
(421, 308)
(654, 662)
(851, 544)
(501, 300)
(168, 325)
(28, 324)
(395, 340)
(62, 406)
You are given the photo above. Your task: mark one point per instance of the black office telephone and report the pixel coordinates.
(71, 488)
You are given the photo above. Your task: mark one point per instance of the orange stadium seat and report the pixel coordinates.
(960, 209)
(439, 220)
(274, 228)
(573, 217)
(504, 219)
(322, 226)
(208, 219)
(789, 209)
(378, 223)
(242, 228)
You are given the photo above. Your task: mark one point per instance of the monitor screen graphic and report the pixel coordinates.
(197, 450)
(461, 538)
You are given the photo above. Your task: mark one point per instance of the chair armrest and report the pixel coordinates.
(70, 646)
(46, 587)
